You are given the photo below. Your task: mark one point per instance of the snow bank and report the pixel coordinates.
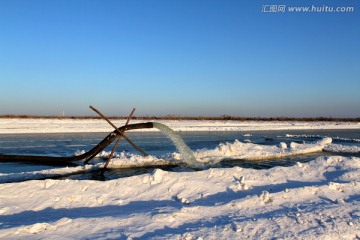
(125, 160)
(49, 173)
(339, 148)
(228, 151)
(16, 125)
(321, 136)
(315, 200)
(251, 151)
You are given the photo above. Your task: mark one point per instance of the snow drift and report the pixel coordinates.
(315, 200)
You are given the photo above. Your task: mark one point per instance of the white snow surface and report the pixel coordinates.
(18, 125)
(315, 200)
(339, 148)
(251, 151)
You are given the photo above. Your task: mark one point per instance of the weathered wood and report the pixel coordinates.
(118, 130)
(118, 140)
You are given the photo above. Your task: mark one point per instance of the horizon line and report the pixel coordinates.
(180, 117)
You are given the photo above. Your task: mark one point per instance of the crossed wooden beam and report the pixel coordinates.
(121, 135)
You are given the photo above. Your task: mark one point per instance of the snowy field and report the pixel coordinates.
(319, 199)
(17, 125)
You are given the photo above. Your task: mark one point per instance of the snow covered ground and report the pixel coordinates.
(17, 125)
(315, 200)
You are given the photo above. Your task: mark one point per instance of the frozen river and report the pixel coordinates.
(312, 194)
(158, 145)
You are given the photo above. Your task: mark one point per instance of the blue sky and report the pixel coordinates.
(178, 57)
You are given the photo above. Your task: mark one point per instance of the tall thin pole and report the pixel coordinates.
(118, 140)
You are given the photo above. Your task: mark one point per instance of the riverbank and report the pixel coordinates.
(29, 125)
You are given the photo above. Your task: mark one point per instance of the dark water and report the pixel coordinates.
(159, 145)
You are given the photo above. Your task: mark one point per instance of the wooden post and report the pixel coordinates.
(118, 140)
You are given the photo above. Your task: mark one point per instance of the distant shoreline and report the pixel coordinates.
(72, 125)
(200, 118)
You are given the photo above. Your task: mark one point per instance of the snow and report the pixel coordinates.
(56, 172)
(339, 148)
(18, 125)
(320, 136)
(250, 151)
(206, 158)
(319, 199)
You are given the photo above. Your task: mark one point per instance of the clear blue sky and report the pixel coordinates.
(183, 57)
